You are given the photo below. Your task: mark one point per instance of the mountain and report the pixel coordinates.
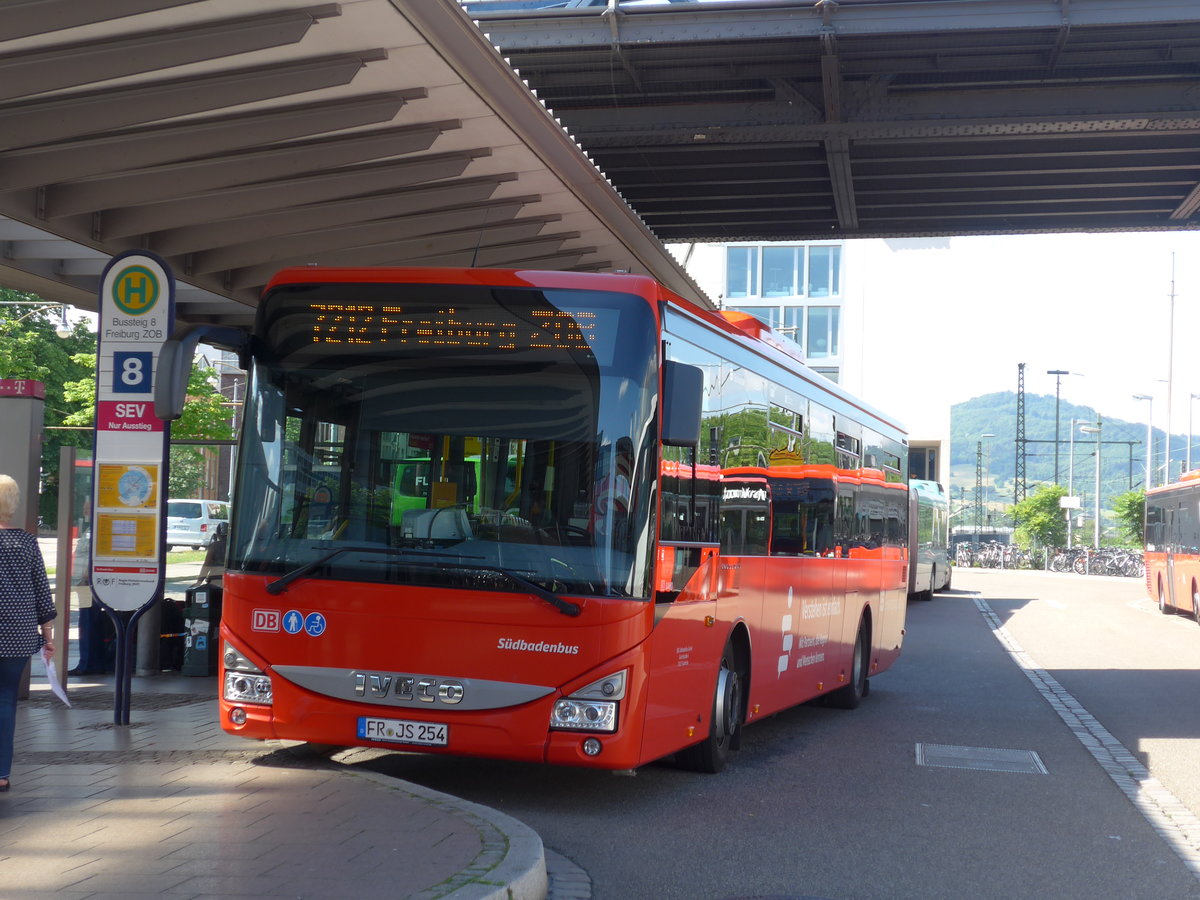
(1122, 458)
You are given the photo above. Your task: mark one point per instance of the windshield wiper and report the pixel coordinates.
(566, 607)
(279, 585)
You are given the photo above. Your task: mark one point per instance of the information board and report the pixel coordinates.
(137, 313)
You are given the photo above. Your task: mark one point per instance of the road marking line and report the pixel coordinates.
(1173, 821)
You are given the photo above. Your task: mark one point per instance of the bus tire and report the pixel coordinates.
(933, 580)
(852, 694)
(1196, 602)
(724, 733)
(1163, 606)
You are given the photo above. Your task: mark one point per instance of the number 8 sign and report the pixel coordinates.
(133, 372)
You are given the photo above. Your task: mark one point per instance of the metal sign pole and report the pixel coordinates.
(128, 554)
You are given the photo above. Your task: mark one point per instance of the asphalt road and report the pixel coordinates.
(824, 803)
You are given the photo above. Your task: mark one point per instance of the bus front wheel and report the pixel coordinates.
(711, 754)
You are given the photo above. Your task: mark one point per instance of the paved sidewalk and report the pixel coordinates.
(172, 806)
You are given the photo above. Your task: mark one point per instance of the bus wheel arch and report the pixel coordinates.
(728, 709)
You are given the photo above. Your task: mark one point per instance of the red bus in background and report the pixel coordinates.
(647, 524)
(1173, 545)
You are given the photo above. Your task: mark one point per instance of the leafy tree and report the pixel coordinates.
(30, 348)
(204, 418)
(1039, 519)
(1129, 509)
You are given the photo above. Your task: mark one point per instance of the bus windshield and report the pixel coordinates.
(450, 435)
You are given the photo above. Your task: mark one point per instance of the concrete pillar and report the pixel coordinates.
(22, 410)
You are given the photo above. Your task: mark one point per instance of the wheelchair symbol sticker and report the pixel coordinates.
(314, 624)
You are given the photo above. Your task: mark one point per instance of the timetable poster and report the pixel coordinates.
(127, 515)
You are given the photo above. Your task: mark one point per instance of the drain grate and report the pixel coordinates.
(987, 759)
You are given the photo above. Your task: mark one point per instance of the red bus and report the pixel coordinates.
(609, 566)
(1173, 545)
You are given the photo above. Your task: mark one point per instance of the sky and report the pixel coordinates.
(944, 320)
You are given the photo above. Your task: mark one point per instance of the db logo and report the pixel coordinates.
(264, 620)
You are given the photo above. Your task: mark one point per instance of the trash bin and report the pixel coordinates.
(201, 624)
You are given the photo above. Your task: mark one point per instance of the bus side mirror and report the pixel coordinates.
(170, 381)
(175, 364)
(682, 401)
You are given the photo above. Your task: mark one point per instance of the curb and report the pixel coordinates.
(512, 865)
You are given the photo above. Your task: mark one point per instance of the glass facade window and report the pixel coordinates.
(784, 279)
(741, 272)
(782, 271)
(805, 270)
(824, 266)
(822, 331)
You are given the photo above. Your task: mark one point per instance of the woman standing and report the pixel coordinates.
(25, 606)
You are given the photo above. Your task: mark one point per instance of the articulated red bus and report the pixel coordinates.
(644, 525)
(1173, 545)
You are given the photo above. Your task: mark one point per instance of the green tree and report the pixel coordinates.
(1129, 509)
(30, 348)
(205, 417)
(1039, 519)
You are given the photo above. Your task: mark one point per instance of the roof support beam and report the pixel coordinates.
(376, 252)
(90, 112)
(458, 192)
(212, 136)
(1164, 108)
(584, 27)
(212, 173)
(88, 62)
(286, 193)
(311, 243)
(26, 17)
(837, 147)
(1188, 207)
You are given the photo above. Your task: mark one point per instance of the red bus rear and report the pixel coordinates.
(1173, 546)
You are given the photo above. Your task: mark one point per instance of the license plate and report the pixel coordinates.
(402, 731)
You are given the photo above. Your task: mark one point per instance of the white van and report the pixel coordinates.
(192, 522)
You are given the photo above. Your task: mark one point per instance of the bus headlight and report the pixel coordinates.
(244, 688)
(244, 681)
(584, 715)
(585, 710)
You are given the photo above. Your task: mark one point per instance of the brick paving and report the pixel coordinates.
(171, 806)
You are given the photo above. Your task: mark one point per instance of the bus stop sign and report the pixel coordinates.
(137, 312)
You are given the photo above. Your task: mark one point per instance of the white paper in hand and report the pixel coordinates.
(52, 678)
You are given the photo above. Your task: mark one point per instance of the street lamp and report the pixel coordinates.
(1150, 436)
(1071, 483)
(63, 330)
(1097, 430)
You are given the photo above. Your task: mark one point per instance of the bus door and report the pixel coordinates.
(745, 539)
(805, 579)
(1172, 530)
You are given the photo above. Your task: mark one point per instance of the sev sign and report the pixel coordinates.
(137, 314)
